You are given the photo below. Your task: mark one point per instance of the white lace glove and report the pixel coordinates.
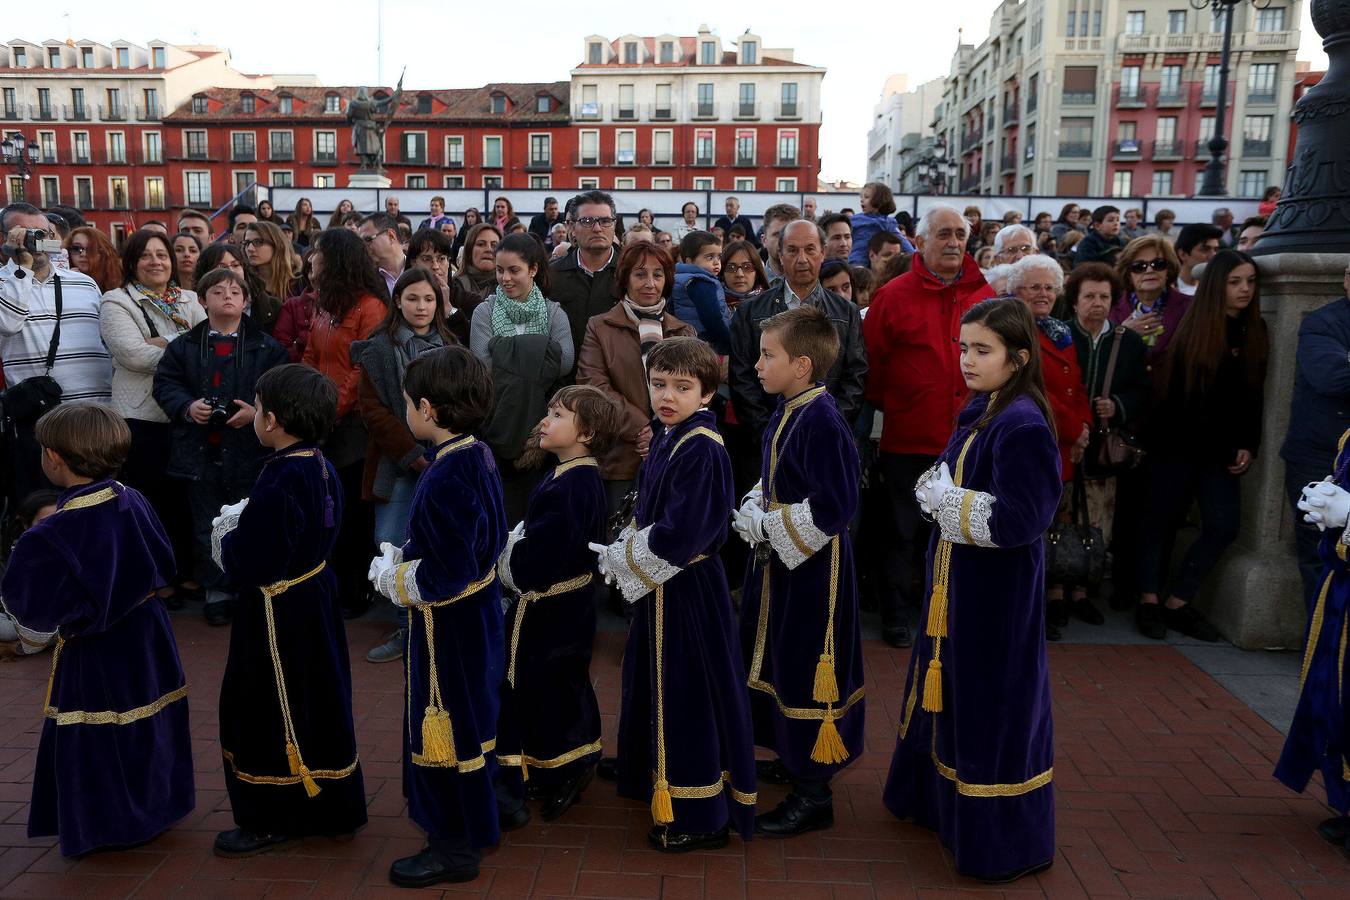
(389, 559)
(601, 552)
(228, 510)
(930, 491)
(1325, 504)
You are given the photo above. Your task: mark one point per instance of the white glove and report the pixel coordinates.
(390, 558)
(748, 522)
(230, 509)
(754, 495)
(1325, 504)
(929, 492)
(601, 552)
(519, 531)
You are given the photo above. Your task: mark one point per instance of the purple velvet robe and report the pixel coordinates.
(114, 765)
(809, 476)
(456, 532)
(1319, 736)
(695, 707)
(979, 771)
(550, 720)
(287, 531)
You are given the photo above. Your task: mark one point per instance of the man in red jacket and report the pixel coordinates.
(912, 334)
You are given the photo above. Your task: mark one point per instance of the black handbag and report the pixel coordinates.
(25, 402)
(1075, 552)
(1113, 448)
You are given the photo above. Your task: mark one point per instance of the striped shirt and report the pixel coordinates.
(27, 319)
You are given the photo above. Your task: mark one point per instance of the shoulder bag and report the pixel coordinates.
(25, 402)
(1117, 449)
(1075, 552)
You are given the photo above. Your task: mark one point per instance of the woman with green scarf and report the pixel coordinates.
(526, 342)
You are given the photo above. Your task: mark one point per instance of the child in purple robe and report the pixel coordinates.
(686, 743)
(975, 757)
(799, 614)
(114, 765)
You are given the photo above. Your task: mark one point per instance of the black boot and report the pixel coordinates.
(666, 841)
(238, 843)
(565, 796)
(795, 815)
(430, 867)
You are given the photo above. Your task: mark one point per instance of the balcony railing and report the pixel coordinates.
(1260, 97)
(76, 113)
(49, 157)
(1171, 96)
(81, 156)
(323, 156)
(9, 113)
(1255, 148)
(1129, 147)
(41, 113)
(621, 112)
(1202, 148)
(745, 162)
(1131, 96)
(113, 157)
(281, 154)
(1209, 96)
(660, 112)
(1168, 150)
(153, 157)
(1075, 149)
(1080, 98)
(151, 113)
(587, 112)
(241, 154)
(1031, 103)
(787, 162)
(789, 111)
(418, 158)
(969, 183)
(747, 110)
(704, 160)
(1010, 115)
(703, 110)
(112, 113)
(663, 161)
(1009, 163)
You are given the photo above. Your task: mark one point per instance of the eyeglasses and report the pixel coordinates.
(595, 221)
(1139, 266)
(742, 268)
(254, 242)
(1020, 250)
(427, 259)
(369, 238)
(77, 249)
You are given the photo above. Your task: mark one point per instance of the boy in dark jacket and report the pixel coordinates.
(699, 297)
(205, 385)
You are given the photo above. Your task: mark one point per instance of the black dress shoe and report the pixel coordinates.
(566, 795)
(666, 841)
(1086, 611)
(1335, 830)
(514, 821)
(217, 613)
(771, 771)
(429, 867)
(608, 768)
(535, 791)
(238, 843)
(1015, 874)
(898, 637)
(795, 815)
(1149, 619)
(1188, 620)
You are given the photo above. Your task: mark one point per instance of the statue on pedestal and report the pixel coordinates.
(369, 119)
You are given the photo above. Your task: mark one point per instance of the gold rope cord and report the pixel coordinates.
(1315, 629)
(663, 812)
(325, 774)
(562, 587)
(294, 760)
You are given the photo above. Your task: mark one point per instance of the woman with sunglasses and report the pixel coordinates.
(1150, 304)
(93, 254)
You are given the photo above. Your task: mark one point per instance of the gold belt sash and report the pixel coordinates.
(294, 761)
(562, 587)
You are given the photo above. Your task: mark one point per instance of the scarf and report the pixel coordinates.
(735, 297)
(1137, 309)
(648, 322)
(1058, 333)
(481, 283)
(408, 345)
(168, 303)
(508, 314)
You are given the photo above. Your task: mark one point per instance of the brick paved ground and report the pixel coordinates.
(1162, 781)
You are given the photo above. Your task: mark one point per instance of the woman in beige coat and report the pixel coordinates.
(137, 322)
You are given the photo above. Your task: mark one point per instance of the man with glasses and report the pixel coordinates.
(1012, 243)
(29, 290)
(380, 232)
(582, 281)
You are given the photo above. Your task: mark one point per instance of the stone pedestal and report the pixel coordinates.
(369, 180)
(1255, 597)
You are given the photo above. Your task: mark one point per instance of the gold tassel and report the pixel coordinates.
(292, 758)
(663, 809)
(436, 743)
(826, 688)
(524, 769)
(311, 786)
(937, 612)
(932, 687)
(829, 746)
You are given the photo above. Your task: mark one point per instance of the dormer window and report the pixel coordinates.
(498, 103)
(86, 57)
(248, 103)
(667, 51)
(20, 58)
(199, 107)
(332, 103)
(630, 53)
(54, 57)
(157, 57)
(123, 58)
(286, 104)
(595, 53)
(749, 53)
(707, 53)
(424, 103)
(542, 104)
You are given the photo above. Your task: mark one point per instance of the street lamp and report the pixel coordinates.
(1213, 184)
(13, 150)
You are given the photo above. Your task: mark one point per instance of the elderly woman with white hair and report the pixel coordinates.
(1038, 281)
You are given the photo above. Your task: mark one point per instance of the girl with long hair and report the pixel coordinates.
(302, 222)
(344, 208)
(992, 495)
(274, 257)
(92, 253)
(187, 249)
(472, 217)
(1202, 436)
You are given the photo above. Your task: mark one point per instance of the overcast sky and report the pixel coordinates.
(460, 44)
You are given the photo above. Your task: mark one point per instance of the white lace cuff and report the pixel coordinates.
(399, 584)
(793, 535)
(963, 515)
(504, 562)
(30, 641)
(226, 524)
(636, 568)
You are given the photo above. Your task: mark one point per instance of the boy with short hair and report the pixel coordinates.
(699, 298)
(286, 729)
(114, 764)
(799, 609)
(685, 718)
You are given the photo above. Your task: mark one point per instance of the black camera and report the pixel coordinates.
(221, 411)
(35, 240)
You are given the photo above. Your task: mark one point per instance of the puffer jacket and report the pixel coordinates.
(701, 300)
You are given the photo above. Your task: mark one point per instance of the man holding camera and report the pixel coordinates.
(38, 294)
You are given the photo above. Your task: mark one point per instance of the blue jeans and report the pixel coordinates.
(391, 517)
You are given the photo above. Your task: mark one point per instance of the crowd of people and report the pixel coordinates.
(913, 415)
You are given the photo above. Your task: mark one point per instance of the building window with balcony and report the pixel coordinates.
(199, 105)
(498, 105)
(595, 53)
(325, 146)
(1122, 184)
(454, 151)
(663, 107)
(705, 145)
(281, 145)
(630, 53)
(53, 57)
(1256, 135)
(492, 152)
(157, 57)
(332, 103)
(1162, 183)
(1271, 19)
(590, 104)
(45, 104)
(11, 103)
(667, 51)
(248, 104)
(117, 147)
(1169, 85)
(1130, 91)
(543, 103)
(154, 193)
(788, 101)
(1261, 82)
(1134, 24)
(454, 182)
(745, 101)
(150, 104)
(1075, 138)
(707, 53)
(1080, 85)
(662, 142)
(625, 148)
(787, 148)
(77, 109)
(79, 145)
(1216, 21)
(115, 110)
(1176, 21)
(1206, 133)
(47, 142)
(745, 147)
(1165, 144)
(1071, 22)
(243, 146)
(286, 104)
(1210, 91)
(1033, 92)
(1251, 182)
(51, 190)
(627, 109)
(705, 101)
(282, 178)
(153, 148)
(1097, 23)
(589, 148)
(325, 181)
(84, 192)
(413, 146)
(541, 150)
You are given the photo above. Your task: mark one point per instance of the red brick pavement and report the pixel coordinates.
(1162, 781)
